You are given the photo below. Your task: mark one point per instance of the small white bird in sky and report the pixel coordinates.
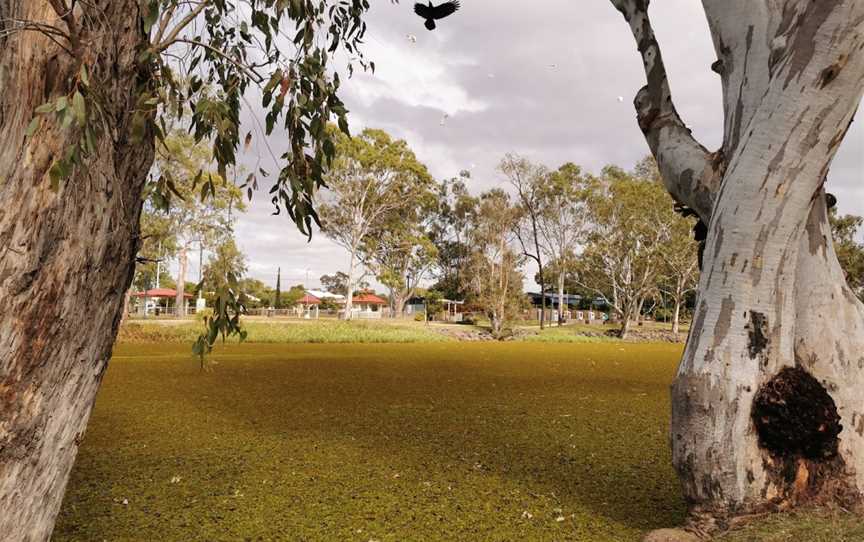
(444, 119)
(411, 37)
(621, 99)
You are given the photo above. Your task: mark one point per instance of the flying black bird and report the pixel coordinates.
(431, 13)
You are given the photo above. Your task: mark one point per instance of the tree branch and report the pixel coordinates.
(690, 173)
(184, 22)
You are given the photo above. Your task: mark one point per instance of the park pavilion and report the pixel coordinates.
(159, 301)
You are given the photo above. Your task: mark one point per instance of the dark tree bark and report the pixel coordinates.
(66, 256)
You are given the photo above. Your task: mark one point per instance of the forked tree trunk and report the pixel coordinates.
(66, 256)
(626, 321)
(766, 409)
(399, 302)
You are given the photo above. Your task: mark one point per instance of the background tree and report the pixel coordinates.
(277, 297)
(766, 398)
(294, 295)
(98, 82)
(630, 225)
(337, 283)
(158, 243)
(401, 259)
(563, 222)
(850, 253)
(254, 288)
(399, 249)
(492, 273)
(226, 260)
(193, 221)
(372, 179)
(679, 272)
(527, 180)
(449, 232)
(572, 285)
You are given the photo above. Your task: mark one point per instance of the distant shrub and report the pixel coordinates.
(203, 313)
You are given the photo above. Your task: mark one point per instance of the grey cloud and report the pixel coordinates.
(569, 113)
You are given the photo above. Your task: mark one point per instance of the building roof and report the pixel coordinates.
(309, 299)
(369, 299)
(321, 294)
(161, 293)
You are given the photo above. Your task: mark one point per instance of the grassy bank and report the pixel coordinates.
(282, 331)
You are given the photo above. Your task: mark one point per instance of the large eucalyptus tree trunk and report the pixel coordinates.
(766, 408)
(66, 255)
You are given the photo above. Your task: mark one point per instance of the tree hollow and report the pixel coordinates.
(795, 417)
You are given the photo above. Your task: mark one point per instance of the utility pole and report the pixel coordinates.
(200, 269)
(159, 264)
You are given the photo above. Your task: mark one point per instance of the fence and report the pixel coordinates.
(156, 312)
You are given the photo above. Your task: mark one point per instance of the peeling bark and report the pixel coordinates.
(66, 256)
(774, 312)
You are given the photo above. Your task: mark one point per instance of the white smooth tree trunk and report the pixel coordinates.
(349, 296)
(766, 409)
(676, 317)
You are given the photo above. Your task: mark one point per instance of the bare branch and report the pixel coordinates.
(184, 22)
(690, 172)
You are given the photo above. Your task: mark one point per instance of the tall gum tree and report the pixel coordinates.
(83, 89)
(766, 409)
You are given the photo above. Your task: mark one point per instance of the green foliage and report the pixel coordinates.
(293, 295)
(845, 231)
(452, 221)
(198, 64)
(227, 261)
(257, 289)
(277, 299)
(491, 274)
(222, 286)
(72, 111)
(632, 221)
(337, 283)
(202, 314)
(434, 303)
(377, 206)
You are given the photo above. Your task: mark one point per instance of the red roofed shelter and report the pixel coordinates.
(367, 305)
(159, 301)
(310, 305)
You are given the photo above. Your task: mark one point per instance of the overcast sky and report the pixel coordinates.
(541, 78)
